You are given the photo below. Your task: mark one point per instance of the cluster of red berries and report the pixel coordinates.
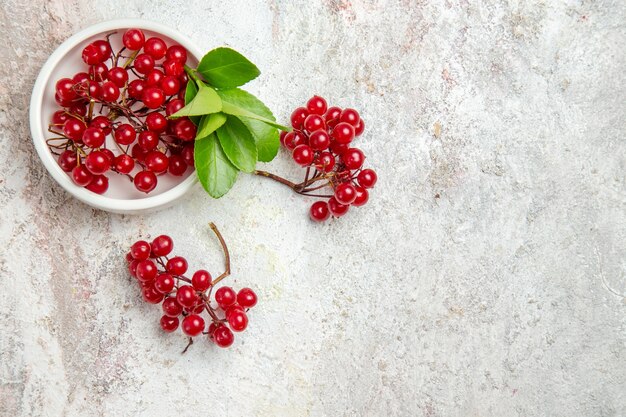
(133, 99)
(162, 280)
(321, 141)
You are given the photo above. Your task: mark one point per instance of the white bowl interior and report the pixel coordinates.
(121, 196)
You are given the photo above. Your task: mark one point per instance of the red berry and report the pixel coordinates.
(99, 184)
(140, 250)
(184, 129)
(176, 53)
(298, 116)
(81, 175)
(80, 77)
(173, 106)
(169, 324)
(316, 105)
(138, 152)
(282, 135)
(68, 160)
(156, 122)
(246, 298)
(186, 296)
(97, 163)
(98, 72)
(337, 209)
(155, 47)
(303, 155)
(110, 92)
(177, 265)
(154, 78)
(61, 101)
(343, 133)
(188, 154)
(367, 178)
(174, 68)
(359, 128)
(353, 158)
(118, 76)
(177, 165)
(162, 245)
(313, 122)
(146, 270)
(74, 129)
(171, 307)
(153, 97)
(332, 113)
(65, 89)
(145, 181)
(125, 134)
(238, 321)
(93, 137)
(325, 162)
(133, 39)
(59, 118)
(201, 280)
(319, 140)
(170, 85)
(143, 63)
(92, 54)
(350, 116)
(295, 138)
(151, 295)
(156, 161)
(108, 154)
(164, 283)
(337, 148)
(193, 325)
(230, 310)
(361, 197)
(319, 211)
(223, 337)
(345, 193)
(136, 89)
(103, 123)
(123, 164)
(104, 47)
(225, 297)
(148, 140)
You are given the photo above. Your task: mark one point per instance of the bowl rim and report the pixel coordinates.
(38, 135)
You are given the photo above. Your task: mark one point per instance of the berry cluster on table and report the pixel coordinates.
(183, 300)
(321, 141)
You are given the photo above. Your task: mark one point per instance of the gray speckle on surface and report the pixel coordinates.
(487, 277)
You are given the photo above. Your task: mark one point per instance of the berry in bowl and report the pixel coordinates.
(99, 116)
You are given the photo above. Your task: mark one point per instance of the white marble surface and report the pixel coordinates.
(486, 278)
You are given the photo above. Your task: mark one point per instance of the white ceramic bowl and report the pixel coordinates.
(121, 197)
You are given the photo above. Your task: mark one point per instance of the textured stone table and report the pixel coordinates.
(486, 278)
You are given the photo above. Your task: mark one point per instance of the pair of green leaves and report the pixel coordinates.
(234, 128)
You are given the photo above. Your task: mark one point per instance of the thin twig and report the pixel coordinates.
(226, 253)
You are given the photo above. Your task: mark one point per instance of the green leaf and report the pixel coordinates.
(231, 106)
(226, 68)
(190, 93)
(238, 144)
(209, 124)
(266, 136)
(206, 101)
(215, 172)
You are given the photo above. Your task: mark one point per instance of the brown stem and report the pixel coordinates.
(226, 253)
(188, 344)
(276, 178)
(130, 59)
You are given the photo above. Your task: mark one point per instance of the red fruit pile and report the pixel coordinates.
(183, 300)
(126, 96)
(321, 141)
